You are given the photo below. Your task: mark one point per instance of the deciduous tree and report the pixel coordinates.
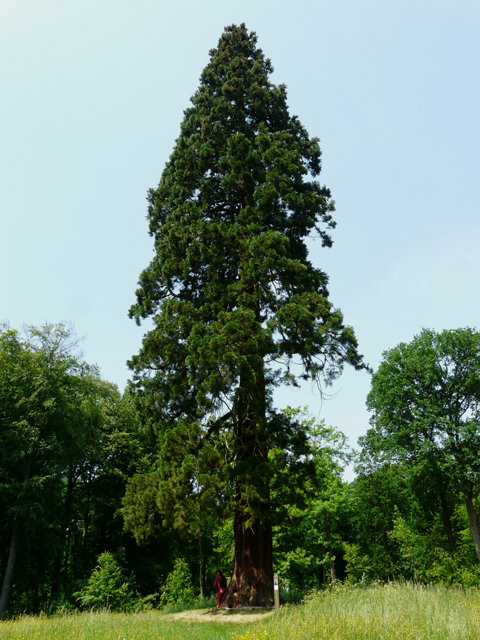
(425, 400)
(45, 393)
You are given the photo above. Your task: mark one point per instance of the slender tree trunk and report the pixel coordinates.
(331, 559)
(447, 523)
(470, 503)
(66, 515)
(86, 525)
(8, 579)
(12, 554)
(35, 599)
(200, 565)
(65, 562)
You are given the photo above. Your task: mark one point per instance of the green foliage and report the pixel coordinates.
(314, 504)
(222, 550)
(68, 443)
(425, 400)
(369, 552)
(296, 566)
(48, 413)
(178, 587)
(231, 290)
(109, 587)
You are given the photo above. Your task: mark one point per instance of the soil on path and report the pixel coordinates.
(237, 615)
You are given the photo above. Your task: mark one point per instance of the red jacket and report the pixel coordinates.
(220, 583)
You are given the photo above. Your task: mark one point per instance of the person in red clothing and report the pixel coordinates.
(220, 586)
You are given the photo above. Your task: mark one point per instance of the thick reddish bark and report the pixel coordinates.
(252, 579)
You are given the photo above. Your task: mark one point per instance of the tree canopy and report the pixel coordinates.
(234, 300)
(425, 399)
(48, 412)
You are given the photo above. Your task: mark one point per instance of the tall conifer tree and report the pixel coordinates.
(232, 293)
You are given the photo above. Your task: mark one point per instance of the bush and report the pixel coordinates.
(178, 587)
(109, 587)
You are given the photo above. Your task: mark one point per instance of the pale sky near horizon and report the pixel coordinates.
(92, 96)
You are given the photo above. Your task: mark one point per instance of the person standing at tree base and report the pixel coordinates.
(220, 586)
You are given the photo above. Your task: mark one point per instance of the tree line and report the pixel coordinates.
(73, 481)
(193, 466)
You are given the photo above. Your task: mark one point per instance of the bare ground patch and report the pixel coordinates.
(240, 615)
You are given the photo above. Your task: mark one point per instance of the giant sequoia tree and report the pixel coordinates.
(234, 299)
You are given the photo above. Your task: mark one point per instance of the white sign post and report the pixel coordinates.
(276, 594)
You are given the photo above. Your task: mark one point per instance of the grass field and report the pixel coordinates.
(390, 612)
(401, 612)
(151, 625)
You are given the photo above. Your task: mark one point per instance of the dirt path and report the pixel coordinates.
(240, 615)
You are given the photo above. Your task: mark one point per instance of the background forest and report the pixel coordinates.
(70, 444)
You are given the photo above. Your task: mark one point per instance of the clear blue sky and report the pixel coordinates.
(92, 95)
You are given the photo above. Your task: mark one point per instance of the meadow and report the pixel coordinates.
(393, 611)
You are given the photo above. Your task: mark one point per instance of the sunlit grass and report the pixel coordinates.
(150, 625)
(391, 612)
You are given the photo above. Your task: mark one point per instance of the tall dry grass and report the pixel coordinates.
(390, 612)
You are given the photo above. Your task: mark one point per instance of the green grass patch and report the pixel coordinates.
(199, 603)
(390, 612)
(151, 625)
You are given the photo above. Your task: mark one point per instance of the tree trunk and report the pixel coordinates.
(447, 523)
(65, 562)
(473, 518)
(252, 579)
(8, 579)
(331, 559)
(66, 516)
(86, 524)
(35, 599)
(200, 565)
(12, 554)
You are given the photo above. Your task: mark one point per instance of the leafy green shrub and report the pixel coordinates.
(178, 587)
(109, 587)
(292, 596)
(298, 570)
